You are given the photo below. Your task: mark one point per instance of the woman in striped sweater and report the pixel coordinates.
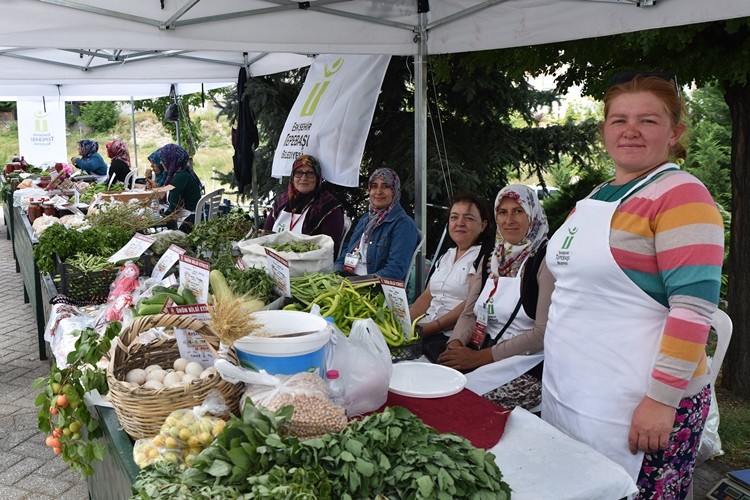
(637, 268)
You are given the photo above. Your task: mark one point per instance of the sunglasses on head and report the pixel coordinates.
(627, 76)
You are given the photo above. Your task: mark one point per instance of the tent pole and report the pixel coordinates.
(135, 140)
(254, 169)
(420, 149)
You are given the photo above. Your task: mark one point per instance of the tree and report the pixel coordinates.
(100, 116)
(703, 54)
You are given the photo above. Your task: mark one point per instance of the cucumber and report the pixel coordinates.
(161, 298)
(189, 296)
(163, 289)
(147, 309)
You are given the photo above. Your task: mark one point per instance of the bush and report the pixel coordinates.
(100, 116)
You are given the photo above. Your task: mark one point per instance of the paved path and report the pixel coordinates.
(28, 468)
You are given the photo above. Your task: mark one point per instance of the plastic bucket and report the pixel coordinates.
(289, 355)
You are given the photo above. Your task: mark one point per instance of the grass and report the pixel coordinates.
(734, 430)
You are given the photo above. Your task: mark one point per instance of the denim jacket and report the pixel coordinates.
(391, 247)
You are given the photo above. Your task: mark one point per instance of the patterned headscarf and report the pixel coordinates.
(161, 175)
(88, 147)
(173, 159)
(507, 258)
(116, 149)
(377, 215)
(297, 200)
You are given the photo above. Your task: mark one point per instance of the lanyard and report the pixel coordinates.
(295, 222)
(488, 304)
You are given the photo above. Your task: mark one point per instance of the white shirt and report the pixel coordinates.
(449, 284)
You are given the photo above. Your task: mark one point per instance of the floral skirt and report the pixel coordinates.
(524, 391)
(667, 474)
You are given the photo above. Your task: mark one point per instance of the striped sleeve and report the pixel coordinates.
(669, 239)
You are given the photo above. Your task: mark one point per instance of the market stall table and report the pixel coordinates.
(24, 240)
(537, 460)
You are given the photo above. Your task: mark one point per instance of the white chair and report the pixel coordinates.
(208, 206)
(130, 180)
(722, 325)
(347, 228)
(413, 257)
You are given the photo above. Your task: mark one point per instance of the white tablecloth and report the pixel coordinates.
(540, 463)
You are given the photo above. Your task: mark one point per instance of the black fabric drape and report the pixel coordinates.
(245, 137)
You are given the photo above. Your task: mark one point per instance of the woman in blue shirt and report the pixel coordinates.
(90, 161)
(384, 240)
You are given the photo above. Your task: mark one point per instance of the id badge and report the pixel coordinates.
(350, 262)
(479, 332)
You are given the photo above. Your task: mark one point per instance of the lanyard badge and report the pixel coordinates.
(351, 260)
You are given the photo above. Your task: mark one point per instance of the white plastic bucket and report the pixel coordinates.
(289, 355)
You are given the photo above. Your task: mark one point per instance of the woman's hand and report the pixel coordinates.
(73, 160)
(462, 358)
(651, 426)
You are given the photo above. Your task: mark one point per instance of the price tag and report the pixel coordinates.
(396, 300)
(169, 259)
(133, 249)
(190, 343)
(194, 276)
(278, 269)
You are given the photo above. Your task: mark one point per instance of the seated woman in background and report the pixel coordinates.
(307, 208)
(119, 168)
(444, 297)
(159, 174)
(90, 161)
(385, 238)
(501, 330)
(187, 187)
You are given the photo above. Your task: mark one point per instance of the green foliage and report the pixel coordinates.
(390, 454)
(100, 116)
(709, 153)
(66, 242)
(71, 423)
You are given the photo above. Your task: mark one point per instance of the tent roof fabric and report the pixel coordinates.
(340, 26)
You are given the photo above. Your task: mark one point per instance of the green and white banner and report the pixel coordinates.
(332, 115)
(41, 131)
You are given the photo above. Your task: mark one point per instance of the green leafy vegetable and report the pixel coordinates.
(391, 454)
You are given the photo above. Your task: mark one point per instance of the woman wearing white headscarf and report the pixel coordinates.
(501, 330)
(385, 238)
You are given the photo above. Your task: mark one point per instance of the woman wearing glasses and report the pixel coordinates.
(637, 268)
(307, 208)
(384, 240)
(500, 332)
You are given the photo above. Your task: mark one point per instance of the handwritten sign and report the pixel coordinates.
(194, 276)
(133, 249)
(169, 259)
(278, 269)
(395, 299)
(191, 344)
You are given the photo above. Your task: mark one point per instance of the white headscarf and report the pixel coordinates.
(507, 258)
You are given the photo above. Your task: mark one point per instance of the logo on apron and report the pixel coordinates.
(563, 255)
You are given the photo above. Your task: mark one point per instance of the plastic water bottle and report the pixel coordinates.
(155, 206)
(336, 388)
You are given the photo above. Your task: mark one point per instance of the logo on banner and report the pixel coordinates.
(41, 135)
(312, 101)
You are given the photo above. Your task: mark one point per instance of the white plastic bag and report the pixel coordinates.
(363, 361)
(320, 260)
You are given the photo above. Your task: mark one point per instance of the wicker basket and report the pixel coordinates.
(142, 411)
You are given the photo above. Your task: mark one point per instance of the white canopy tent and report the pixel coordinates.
(395, 27)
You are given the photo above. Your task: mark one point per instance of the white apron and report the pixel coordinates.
(287, 221)
(602, 337)
(491, 376)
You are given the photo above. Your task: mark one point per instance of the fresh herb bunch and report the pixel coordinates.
(253, 281)
(72, 430)
(216, 235)
(66, 242)
(131, 217)
(293, 246)
(391, 454)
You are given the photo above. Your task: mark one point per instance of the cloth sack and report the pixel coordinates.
(320, 260)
